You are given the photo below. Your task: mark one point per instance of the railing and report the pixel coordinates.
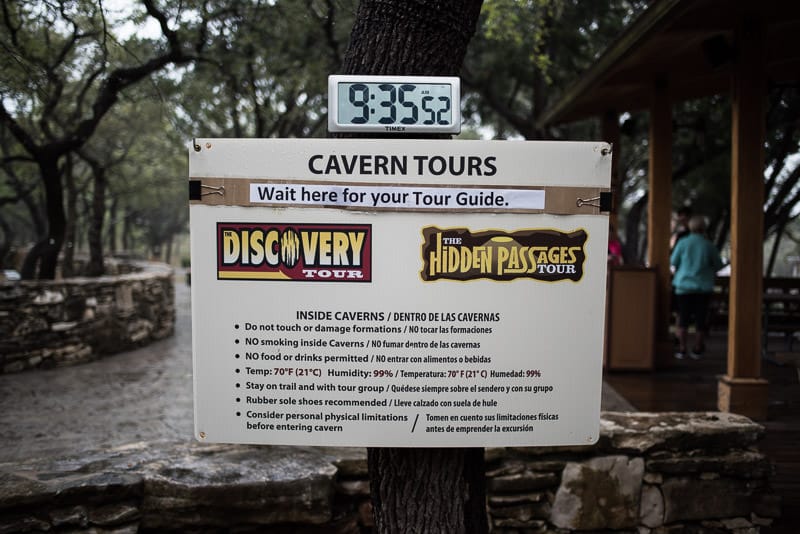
(780, 304)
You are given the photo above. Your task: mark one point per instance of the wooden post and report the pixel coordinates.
(611, 134)
(659, 213)
(741, 389)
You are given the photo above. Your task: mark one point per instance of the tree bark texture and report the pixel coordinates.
(44, 253)
(428, 490)
(421, 37)
(70, 228)
(419, 490)
(95, 266)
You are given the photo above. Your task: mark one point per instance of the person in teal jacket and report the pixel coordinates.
(696, 261)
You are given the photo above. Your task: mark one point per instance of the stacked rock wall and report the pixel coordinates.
(649, 473)
(659, 473)
(54, 323)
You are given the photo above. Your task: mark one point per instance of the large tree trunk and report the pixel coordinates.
(127, 240)
(5, 243)
(424, 37)
(112, 227)
(419, 490)
(70, 228)
(44, 254)
(168, 253)
(428, 490)
(95, 266)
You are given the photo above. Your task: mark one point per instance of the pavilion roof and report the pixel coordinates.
(687, 44)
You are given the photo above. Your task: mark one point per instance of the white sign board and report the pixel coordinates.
(398, 293)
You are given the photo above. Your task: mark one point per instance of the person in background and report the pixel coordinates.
(696, 262)
(615, 258)
(681, 229)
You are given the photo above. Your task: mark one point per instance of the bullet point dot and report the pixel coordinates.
(236, 326)
(237, 385)
(237, 370)
(237, 341)
(237, 355)
(238, 399)
(238, 414)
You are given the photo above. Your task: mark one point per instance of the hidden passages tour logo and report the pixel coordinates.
(303, 252)
(539, 254)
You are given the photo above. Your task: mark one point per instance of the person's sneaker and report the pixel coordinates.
(697, 352)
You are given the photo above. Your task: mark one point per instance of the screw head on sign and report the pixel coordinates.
(202, 435)
(208, 146)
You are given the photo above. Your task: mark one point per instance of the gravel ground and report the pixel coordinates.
(140, 395)
(143, 395)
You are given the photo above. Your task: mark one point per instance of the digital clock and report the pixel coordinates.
(394, 104)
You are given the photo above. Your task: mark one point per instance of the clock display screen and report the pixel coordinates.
(395, 104)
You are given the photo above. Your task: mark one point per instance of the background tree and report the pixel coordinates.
(264, 71)
(60, 78)
(419, 490)
(526, 53)
(701, 168)
(511, 76)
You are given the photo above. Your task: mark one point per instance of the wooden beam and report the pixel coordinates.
(659, 213)
(748, 92)
(611, 134)
(657, 16)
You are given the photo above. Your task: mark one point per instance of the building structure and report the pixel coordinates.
(684, 49)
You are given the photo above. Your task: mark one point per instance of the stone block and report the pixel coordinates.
(72, 516)
(264, 485)
(652, 507)
(687, 499)
(767, 505)
(112, 515)
(601, 493)
(522, 481)
(23, 523)
(522, 513)
(517, 498)
(742, 464)
(526, 527)
(353, 487)
(647, 432)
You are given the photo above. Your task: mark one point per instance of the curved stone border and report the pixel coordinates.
(47, 324)
(659, 473)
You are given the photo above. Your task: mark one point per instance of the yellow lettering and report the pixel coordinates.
(230, 247)
(310, 240)
(435, 262)
(452, 260)
(245, 247)
(357, 243)
(325, 248)
(502, 258)
(271, 248)
(531, 260)
(466, 259)
(340, 247)
(572, 257)
(257, 247)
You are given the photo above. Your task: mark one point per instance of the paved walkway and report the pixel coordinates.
(143, 395)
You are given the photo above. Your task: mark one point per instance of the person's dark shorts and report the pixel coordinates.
(693, 306)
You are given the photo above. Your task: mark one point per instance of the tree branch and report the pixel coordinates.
(521, 124)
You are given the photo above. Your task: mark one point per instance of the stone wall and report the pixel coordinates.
(53, 323)
(649, 473)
